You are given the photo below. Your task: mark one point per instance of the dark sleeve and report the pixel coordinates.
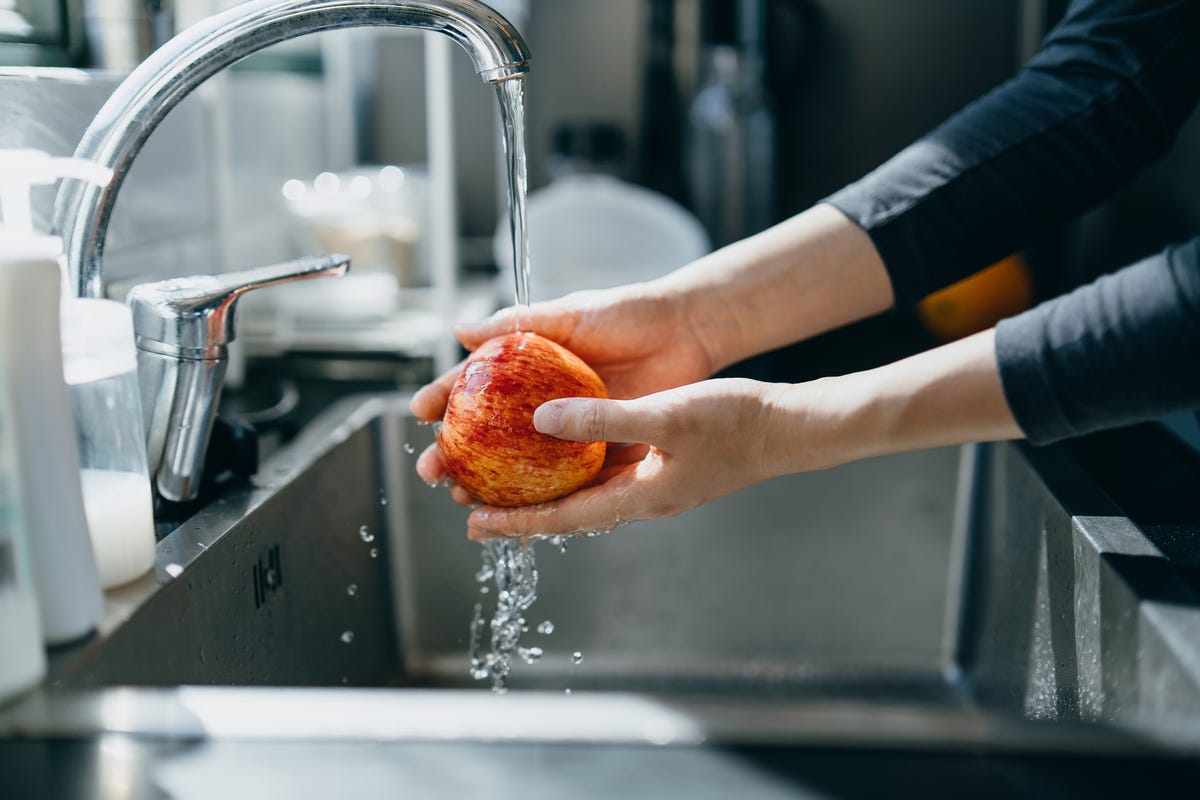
(1123, 349)
(1113, 82)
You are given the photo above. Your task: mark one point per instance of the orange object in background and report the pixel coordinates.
(979, 301)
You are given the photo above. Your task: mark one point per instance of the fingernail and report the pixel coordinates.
(548, 418)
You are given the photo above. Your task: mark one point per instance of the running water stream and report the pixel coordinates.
(508, 563)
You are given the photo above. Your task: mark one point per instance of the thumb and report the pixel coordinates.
(587, 419)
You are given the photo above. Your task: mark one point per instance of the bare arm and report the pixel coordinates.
(714, 437)
(812, 273)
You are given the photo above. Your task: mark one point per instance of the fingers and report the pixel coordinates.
(473, 334)
(593, 509)
(582, 419)
(552, 319)
(429, 402)
(431, 467)
(626, 495)
(461, 496)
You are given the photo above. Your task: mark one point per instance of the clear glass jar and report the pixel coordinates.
(100, 364)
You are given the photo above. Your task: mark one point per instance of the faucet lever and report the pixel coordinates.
(182, 328)
(194, 317)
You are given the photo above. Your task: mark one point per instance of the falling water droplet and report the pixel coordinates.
(566, 691)
(366, 534)
(576, 657)
(546, 628)
(374, 552)
(347, 637)
(529, 654)
(408, 448)
(352, 589)
(433, 484)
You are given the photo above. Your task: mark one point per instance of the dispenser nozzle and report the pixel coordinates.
(21, 170)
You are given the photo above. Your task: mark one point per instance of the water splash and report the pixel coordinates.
(513, 570)
(546, 628)
(529, 654)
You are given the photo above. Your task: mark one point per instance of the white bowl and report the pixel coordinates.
(594, 232)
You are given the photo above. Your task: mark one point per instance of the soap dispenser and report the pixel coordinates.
(32, 277)
(22, 662)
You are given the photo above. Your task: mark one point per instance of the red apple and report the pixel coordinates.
(487, 436)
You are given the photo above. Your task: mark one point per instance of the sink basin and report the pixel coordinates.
(870, 605)
(824, 580)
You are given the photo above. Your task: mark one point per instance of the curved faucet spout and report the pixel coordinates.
(139, 104)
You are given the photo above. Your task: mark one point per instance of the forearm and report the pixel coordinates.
(949, 395)
(809, 274)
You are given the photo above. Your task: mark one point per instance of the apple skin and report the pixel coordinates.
(487, 438)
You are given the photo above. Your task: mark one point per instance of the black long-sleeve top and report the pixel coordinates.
(1106, 94)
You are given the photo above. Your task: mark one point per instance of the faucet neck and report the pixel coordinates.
(144, 98)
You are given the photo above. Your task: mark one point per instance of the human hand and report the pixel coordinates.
(637, 338)
(689, 445)
(683, 447)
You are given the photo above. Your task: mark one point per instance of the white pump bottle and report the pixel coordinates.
(32, 281)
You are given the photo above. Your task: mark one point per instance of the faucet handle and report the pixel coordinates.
(194, 317)
(182, 327)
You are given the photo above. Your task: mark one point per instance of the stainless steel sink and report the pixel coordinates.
(818, 580)
(860, 606)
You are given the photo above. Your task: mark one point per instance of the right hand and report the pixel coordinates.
(638, 338)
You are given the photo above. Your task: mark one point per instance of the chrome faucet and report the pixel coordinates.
(179, 401)
(182, 328)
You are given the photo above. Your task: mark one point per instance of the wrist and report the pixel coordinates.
(807, 275)
(816, 425)
(945, 396)
(699, 299)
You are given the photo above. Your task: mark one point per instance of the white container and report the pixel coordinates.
(101, 371)
(31, 273)
(22, 662)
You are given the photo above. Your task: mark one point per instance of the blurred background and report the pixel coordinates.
(657, 129)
